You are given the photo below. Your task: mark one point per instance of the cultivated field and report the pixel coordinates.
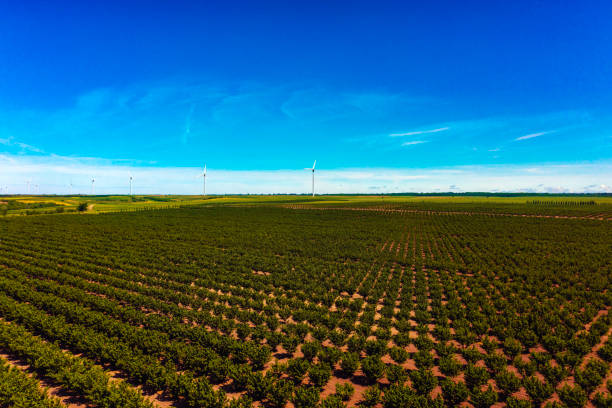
(289, 301)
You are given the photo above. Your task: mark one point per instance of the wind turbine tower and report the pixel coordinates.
(313, 171)
(92, 185)
(131, 184)
(203, 175)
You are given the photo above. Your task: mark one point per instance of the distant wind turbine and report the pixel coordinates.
(28, 186)
(131, 184)
(203, 175)
(92, 185)
(313, 171)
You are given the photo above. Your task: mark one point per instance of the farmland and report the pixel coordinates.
(288, 301)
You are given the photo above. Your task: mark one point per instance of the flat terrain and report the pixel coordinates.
(291, 301)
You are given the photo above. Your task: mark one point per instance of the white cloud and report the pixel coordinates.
(419, 132)
(414, 142)
(532, 135)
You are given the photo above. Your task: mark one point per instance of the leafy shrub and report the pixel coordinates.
(297, 369)
(373, 368)
(423, 359)
(319, 374)
(495, 361)
(371, 396)
(553, 373)
(332, 401)
(280, 393)
(375, 347)
(396, 374)
(449, 365)
(399, 355)
(514, 402)
(355, 343)
(508, 382)
(572, 396)
(345, 391)
(398, 396)
(539, 391)
(592, 375)
(602, 400)
(454, 394)
(512, 346)
(349, 363)
(605, 352)
(472, 355)
(305, 397)
(310, 350)
(475, 376)
(484, 398)
(423, 381)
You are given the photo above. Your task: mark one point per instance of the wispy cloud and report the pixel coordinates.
(532, 135)
(414, 142)
(10, 141)
(419, 132)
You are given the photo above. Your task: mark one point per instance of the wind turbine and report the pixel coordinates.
(203, 175)
(313, 171)
(131, 184)
(70, 187)
(92, 185)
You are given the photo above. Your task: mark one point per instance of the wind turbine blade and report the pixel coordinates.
(314, 164)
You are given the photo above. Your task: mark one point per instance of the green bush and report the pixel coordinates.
(319, 374)
(507, 382)
(396, 374)
(371, 396)
(573, 396)
(454, 393)
(539, 391)
(305, 397)
(484, 398)
(475, 376)
(373, 368)
(423, 381)
(349, 363)
(345, 391)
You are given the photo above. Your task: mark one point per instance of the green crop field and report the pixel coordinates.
(292, 301)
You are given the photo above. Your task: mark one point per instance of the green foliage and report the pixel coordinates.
(423, 381)
(572, 396)
(454, 393)
(538, 390)
(483, 398)
(371, 396)
(349, 363)
(319, 374)
(507, 381)
(396, 374)
(305, 397)
(449, 365)
(345, 391)
(373, 368)
(475, 376)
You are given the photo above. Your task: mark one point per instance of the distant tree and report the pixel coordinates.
(82, 207)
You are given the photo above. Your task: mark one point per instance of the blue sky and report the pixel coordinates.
(387, 96)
